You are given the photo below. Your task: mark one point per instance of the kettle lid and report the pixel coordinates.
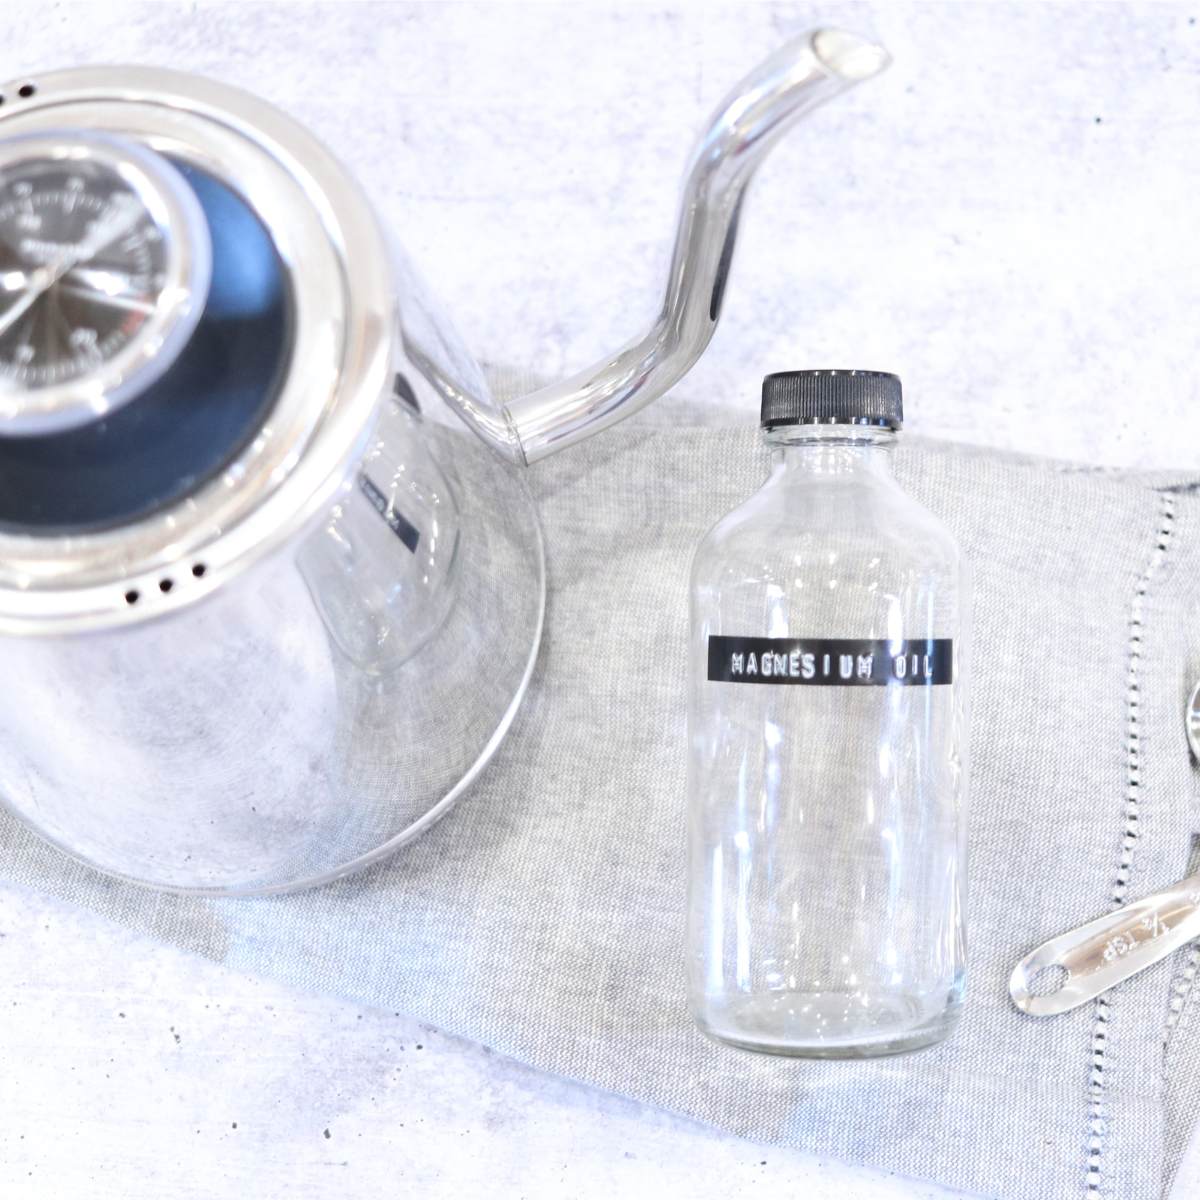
(196, 317)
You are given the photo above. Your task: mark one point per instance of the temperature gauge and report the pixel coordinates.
(105, 263)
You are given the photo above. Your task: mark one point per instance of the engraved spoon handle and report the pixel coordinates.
(1094, 957)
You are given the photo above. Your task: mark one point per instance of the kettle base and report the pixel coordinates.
(268, 760)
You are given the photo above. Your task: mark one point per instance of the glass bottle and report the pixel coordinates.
(827, 743)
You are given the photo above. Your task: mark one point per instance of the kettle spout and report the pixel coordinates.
(747, 124)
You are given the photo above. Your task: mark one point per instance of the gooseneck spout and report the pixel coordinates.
(748, 123)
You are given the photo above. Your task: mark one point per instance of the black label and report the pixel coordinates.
(403, 528)
(831, 662)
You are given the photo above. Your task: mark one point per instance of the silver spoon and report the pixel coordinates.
(1075, 967)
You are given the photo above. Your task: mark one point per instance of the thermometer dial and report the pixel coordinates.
(104, 269)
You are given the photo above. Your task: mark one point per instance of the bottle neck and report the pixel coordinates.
(831, 450)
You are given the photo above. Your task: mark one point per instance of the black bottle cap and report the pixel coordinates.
(832, 398)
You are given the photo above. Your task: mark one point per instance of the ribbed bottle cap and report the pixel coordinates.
(832, 398)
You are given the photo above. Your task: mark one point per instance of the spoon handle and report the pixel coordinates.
(1077, 966)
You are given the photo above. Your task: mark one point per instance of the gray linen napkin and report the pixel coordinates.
(544, 916)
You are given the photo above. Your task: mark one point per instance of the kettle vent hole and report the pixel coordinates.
(26, 90)
(131, 597)
(198, 570)
(165, 585)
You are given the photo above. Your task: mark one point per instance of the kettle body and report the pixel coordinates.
(292, 726)
(271, 581)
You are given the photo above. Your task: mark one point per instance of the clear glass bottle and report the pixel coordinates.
(827, 733)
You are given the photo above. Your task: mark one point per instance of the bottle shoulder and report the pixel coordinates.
(870, 524)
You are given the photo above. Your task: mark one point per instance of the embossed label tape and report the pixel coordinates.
(403, 528)
(836, 662)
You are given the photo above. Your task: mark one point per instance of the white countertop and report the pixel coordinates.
(1007, 220)
(132, 1070)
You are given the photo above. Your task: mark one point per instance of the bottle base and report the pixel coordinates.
(832, 1024)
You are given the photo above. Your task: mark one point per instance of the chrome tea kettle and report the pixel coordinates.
(263, 614)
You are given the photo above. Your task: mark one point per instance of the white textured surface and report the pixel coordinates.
(1006, 219)
(133, 1071)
